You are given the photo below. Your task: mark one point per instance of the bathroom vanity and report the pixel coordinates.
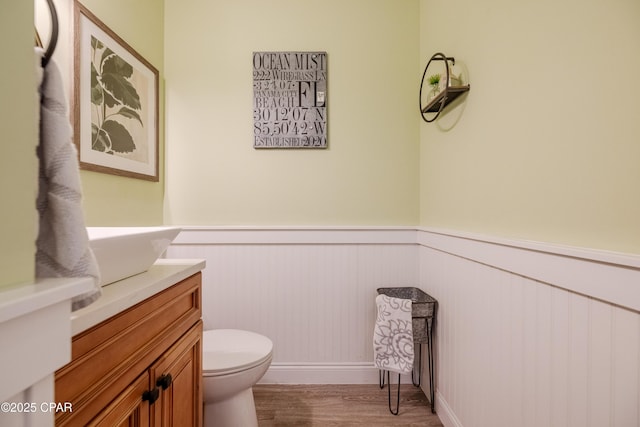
(137, 352)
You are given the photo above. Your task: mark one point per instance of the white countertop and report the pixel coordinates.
(20, 299)
(119, 296)
(34, 331)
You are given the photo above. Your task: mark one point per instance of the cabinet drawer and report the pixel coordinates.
(107, 358)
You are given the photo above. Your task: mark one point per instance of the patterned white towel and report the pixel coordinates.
(62, 245)
(393, 335)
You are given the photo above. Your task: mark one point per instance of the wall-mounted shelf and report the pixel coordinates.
(446, 95)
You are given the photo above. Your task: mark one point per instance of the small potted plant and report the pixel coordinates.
(434, 82)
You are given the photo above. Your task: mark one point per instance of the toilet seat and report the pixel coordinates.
(227, 351)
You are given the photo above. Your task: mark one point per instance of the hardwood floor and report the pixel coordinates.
(340, 405)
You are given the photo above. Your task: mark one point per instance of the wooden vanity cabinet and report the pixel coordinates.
(142, 367)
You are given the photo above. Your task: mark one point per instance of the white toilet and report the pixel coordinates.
(232, 362)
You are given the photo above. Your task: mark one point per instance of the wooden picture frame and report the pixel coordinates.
(115, 102)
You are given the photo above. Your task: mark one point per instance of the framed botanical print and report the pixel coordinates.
(115, 102)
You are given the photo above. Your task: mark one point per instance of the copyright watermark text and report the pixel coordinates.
(27, 407)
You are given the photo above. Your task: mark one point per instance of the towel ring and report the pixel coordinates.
(54, 34)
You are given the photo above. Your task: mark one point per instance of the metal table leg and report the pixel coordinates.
(430, 352)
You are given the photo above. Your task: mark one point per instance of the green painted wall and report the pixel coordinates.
(547, 145)
(369, 173)
(109, 199)
(18, 139)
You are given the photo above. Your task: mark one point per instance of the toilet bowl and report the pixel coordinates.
(232, 362)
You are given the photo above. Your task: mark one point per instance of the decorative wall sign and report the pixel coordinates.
(115, 102)
(290, 99)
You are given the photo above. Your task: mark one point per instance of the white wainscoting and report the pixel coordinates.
(531, 334)
(528, 334)
(311, 290)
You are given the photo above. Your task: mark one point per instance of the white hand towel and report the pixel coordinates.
(393, 335)
(63, 244)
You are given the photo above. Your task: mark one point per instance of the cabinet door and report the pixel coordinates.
(178, 374)
(128, 409)
(110, 356)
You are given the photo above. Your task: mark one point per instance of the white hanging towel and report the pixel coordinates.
(393, 335)
(63, 244)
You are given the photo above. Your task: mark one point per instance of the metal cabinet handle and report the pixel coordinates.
(151, 395)
(164, 381)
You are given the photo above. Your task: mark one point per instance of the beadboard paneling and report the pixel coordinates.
(528, 334)
(515, 351)
(311, 291)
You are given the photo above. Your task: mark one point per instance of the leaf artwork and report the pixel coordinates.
(115, 101)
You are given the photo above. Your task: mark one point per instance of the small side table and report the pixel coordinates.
(423, 313)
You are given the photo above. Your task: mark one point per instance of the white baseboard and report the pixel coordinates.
(446, 415)
(337, 373)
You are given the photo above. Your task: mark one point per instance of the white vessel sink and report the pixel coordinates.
(125, 251)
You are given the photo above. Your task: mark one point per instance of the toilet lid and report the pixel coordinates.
(232, 350)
